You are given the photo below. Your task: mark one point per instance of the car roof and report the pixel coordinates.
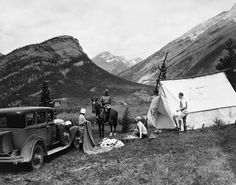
(21, 110)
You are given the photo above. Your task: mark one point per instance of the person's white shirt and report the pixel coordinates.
(183, 105)
(141, 128)
(82, 121)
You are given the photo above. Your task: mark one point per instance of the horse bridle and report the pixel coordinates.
(101, 113)
(98, 116)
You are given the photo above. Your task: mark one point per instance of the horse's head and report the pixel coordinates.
(95, 106)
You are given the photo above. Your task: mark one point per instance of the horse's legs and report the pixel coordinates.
(102, 129)
(114, 124)
(99, 128)
(114, 121)
(110, 123)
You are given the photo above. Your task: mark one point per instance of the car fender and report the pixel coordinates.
(73, 130)
(28, 146)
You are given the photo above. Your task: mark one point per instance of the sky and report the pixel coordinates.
(129, 28)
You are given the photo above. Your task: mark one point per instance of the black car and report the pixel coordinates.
(28, 134)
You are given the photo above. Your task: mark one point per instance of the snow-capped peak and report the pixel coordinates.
(108, 57)
(114, 64)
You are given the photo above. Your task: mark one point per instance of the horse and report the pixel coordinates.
(101, 117)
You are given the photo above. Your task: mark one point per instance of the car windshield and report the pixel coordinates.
(12, 121)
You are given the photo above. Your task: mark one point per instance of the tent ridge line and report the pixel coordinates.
(200, 75)
(212, 109)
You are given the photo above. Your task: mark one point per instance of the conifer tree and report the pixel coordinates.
(126, 121)
(229, 61)
(163, 71)
(161, 75)
(45, 99)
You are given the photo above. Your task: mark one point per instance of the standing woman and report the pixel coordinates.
(82, 122)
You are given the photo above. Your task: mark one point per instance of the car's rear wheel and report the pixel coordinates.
(76, 141)
(65, 136)
(37, 157)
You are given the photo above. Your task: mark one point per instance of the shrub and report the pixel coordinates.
(218, 122)
(126, 121)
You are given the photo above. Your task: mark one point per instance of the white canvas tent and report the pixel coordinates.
(209, 97)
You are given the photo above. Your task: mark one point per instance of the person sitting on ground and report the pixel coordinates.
(181, 112)
(82, 122)
(106, 103)
(145, 121)
(140, 130)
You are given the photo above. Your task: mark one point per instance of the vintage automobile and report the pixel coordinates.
(28, 134)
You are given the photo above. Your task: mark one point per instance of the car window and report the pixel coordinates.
(50, 116)
(41, 117)
(3, 121)
(12, 121)
(30, 119)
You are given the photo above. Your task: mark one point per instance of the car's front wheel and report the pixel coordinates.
(37, 157)
(76, 141)
(65, 136)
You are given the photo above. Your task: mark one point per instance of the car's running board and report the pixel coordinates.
(55, 150)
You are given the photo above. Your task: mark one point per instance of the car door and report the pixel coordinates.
(30, 123)
(51, 127)
(42, 126)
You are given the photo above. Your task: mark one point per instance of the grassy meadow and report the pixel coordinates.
(134, 111)
(196, 157)
(199, 157)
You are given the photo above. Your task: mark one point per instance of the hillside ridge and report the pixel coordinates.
(194, 53)
(62, 62)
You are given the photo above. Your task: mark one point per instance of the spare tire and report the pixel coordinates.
(64, 135)
(76, 141)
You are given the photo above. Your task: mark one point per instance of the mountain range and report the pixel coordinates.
(114, 64)
(194, 53)
(71, 73)
(62, 62)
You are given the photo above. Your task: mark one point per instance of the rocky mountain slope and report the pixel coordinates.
(114, 64)
(194, 53)
(67, 68)
(1, 55)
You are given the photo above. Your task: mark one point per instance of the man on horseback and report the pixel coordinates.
(104, 113)
(106, 103)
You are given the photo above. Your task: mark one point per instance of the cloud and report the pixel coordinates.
(132, 28)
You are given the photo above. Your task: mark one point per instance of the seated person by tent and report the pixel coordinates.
(145, 121)
(140, 130)
(181, 113)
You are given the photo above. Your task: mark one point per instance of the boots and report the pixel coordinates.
(81, 147)
(185, 128)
